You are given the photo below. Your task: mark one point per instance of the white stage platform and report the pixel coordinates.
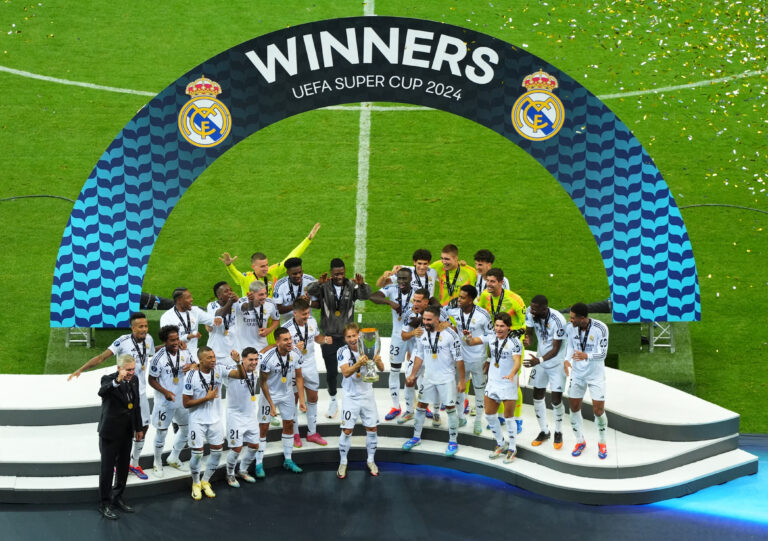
(662, 443)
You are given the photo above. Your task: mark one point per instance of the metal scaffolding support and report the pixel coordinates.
(79, 335)
(660, 335)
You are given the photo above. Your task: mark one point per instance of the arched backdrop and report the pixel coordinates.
(593, 155)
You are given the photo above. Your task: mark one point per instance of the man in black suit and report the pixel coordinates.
(120, 419)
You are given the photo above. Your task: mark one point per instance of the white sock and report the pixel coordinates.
(479, 401)
(194, 464)
(394, 386)
(540, 407)
(260, 452)
(181, 440)
(511, 433)
(410, 396)
(232, 461)
(418, 421)
(287, 445)
(602, 426)
(460, 404)
(214, 457)
(247, 460)
(371, 439)
(136, 452)
(559, 411)
(576, 424)
(493, 422)
(311, 418)
(159, 445)
(453, 424)
(345, 441)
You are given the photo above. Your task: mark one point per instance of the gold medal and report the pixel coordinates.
(284, 379)
(130, 405)
(226, 332)
(253, 398)
(338, 313)
(399, 318)
(358, 374)
(304, 351)
(434, 355)
(175, 379)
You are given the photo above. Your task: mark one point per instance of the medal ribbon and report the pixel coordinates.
(205, 384)
(188, 325)
(251, 383)
(465, 326)
(298, 332)
(298, 290)
(544, 325)
(284, 366)
(174, 370)
(338, 299)
(583, 342)
(452, 286)
(495, 311)
(141, 353)
(259, 315)
(497, 352)
(400, 300)
(437, 342)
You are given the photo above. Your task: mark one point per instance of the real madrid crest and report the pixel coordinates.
(538, 114)
(204, 121)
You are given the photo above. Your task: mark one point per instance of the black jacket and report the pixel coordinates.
(332, 324)
(117, 419)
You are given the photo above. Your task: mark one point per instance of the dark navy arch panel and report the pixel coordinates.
(594, 156)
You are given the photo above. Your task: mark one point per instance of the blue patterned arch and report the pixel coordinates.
(143, 173)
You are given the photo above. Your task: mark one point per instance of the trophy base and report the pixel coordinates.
(371, 379)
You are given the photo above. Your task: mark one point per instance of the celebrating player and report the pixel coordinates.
(304, 334)
(587, 347)
(261, 270)
(451, 276)
(503, 370)
(166, 377)
(280, 367)
(399, 298)
(257, 317)
(222, 338)
(359, 400)
(547, 365)
(291, 287)
(441, 354)
(483, 263)
(422, 276)
(187, 317)
(201, 399)
(141, 347)
(242, 417)
(471, 320)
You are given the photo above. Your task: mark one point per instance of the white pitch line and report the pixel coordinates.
(363, 167)
(31, 75)
(685, 86)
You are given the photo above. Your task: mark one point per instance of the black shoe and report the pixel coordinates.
(558, 443)
(124, 507)
(107, 512)
(541, 438)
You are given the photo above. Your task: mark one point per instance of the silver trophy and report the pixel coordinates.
(369, 344)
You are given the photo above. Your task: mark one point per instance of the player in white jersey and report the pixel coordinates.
(139, 345)
(201, 399)
(222, 338)
(243, 419)
(292, 287)
(187, 317)
(503, 370)
(422, 275)
(586, 349)
(411, 330)
(166, 377)
(441, 354)
(358, 400)
(547, 365)
(470, 319)
(280, 367)
(305, 333)
(483, 263)
(254, 313)
(398, 296)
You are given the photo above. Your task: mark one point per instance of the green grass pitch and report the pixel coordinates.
(434, 178)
